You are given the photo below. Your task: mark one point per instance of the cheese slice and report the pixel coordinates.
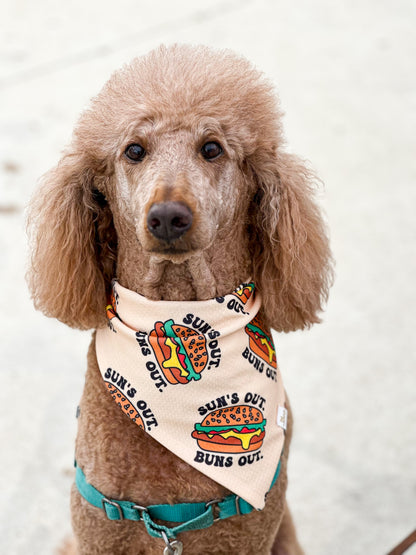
(173, 361)
(244, 438)
(271, 351)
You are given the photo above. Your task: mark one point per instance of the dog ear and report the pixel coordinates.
(293, 265)
(73, 243)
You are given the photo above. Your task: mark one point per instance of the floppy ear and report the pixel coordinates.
(293, 265)
(73, 244)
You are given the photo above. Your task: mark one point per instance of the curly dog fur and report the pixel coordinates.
(254, 215)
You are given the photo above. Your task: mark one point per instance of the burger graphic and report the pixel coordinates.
(181, 352)
(261, 343)
(244, 292)
(237, 429)
(125, 405)
(111, 307)
(111, 313)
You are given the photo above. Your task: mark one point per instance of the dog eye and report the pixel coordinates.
(211, 150)
(135, 152)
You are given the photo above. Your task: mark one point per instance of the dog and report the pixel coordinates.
(177, 183)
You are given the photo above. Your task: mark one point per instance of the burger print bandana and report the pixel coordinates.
(201, 378)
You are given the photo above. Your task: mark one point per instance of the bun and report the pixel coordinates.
(194, 345)
(258, 349)
(126, 406)
(237, 415)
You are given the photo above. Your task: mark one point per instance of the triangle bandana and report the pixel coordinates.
(201, 378)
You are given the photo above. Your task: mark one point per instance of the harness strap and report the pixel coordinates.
(191, 516)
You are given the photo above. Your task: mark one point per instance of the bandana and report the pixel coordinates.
(201, 378)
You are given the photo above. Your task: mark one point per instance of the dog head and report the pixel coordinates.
(176, 129)
(178, 146)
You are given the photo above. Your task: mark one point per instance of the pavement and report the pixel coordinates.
(346, 78)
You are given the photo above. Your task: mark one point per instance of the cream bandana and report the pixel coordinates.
(201, 378)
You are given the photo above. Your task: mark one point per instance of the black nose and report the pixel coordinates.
(169, 220)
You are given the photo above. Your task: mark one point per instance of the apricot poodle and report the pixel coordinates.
(177, 184)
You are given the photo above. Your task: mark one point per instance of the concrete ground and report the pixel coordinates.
(346, 77)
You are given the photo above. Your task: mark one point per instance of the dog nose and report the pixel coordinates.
(169, 220)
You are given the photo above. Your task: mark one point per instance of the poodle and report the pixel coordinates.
(177, 184)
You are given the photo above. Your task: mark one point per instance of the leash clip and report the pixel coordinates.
(172, 548)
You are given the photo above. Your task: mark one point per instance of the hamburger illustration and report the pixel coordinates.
(237, 429)
(110, 312)
(125, 405)
(261, 343)
(180, 351)
(111, 307)
(244, 292)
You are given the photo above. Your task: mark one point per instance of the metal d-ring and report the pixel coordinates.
(140, 509)
(172, 548)
(215, 508)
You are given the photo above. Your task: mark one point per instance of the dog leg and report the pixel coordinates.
(286, 542)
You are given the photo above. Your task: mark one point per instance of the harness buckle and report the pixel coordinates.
(215, 508)
(105, 501)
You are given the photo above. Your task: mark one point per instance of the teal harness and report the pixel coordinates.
(187, 516)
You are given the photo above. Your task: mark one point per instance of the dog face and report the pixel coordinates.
(181, 150)
(175, 130)
(176, 183)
